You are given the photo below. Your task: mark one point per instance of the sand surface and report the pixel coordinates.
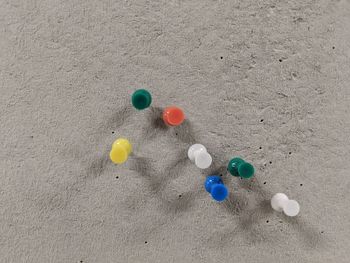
(265, 80)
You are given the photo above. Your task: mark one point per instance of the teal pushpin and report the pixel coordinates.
(239, 167)
(141, 99)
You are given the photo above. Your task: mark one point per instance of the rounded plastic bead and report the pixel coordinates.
(198, 154)
(280, 202)
(141, 99)
(120, 151)
(291, 208)
(239, 167)
(217, 189)
(173, 116)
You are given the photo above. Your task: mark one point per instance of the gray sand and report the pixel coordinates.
(249, 74)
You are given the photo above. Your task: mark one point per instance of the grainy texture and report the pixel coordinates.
(266, 80)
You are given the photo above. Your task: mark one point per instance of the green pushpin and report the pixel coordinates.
(141, 99)
(239, 167)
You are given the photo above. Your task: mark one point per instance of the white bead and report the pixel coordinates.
(198, 154)
(194, 148)
(291, 208)
(280, 202)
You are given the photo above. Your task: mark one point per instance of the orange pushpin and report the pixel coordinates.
(121, 150)
(173, 116)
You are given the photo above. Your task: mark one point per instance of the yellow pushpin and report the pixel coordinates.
(121, 150)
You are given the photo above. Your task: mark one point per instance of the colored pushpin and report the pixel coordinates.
(199, 155)
(121, 150)
(239, 167)
(141, 99)
(280, 202)
(214, 185)
(173, 116)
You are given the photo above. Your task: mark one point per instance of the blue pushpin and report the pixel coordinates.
(214, 185)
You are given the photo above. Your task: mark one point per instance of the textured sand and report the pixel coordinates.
(266, 80)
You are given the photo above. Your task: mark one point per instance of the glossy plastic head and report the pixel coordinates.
(291, 208)
(246, 170)
(280, 202)
(239, 167)
(194, 148)
(203, 160)
(214, 185)
(120, 151)
(141, 99)
(219, 192)
(198, 154)
(118, 155)
(173, 116)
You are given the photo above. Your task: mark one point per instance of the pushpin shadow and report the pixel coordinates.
(235, 203)
(253, 216)
(179, 205)
(254, 185)
(185, 133)
(248, 218)
(237, 206)
(118, 118)
(143, 166)
(156, 122)
(158, 182)
(156, 118)
(175, 167)
(307, 233)
(97, 166)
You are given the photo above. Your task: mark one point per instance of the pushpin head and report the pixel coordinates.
(121, 149)
(214, 185)
(291, 208)
(141, 99)
(219, 192)
(203, 160)
(239, 167)
(118, 155)
(280, 202)
(198, 153)
(173, 116)
(246, 170)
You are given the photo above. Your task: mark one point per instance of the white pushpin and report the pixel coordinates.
(199, 155)
(280, 202)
